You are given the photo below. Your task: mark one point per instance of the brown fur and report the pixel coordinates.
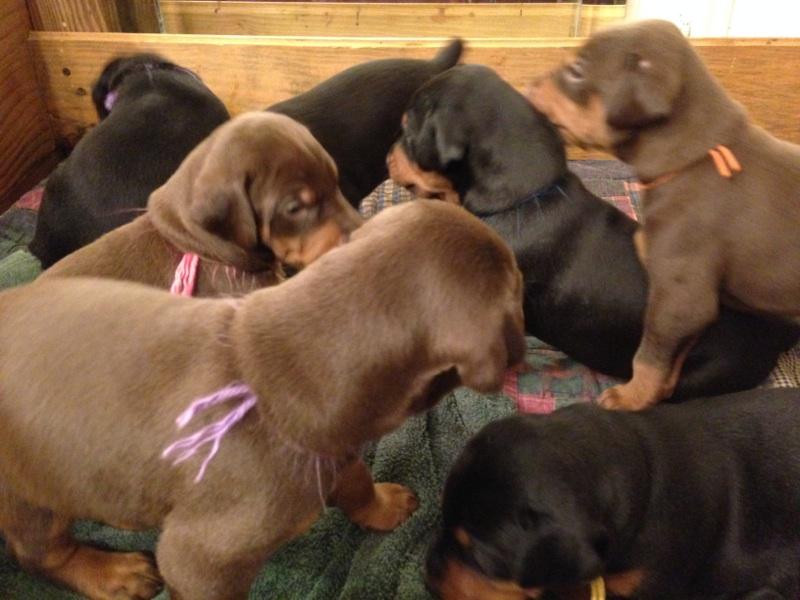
(94, 372)
(260, 183)
(641, 91)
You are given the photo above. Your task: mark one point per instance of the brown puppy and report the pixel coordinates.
(93, 374)
(259, 186)
(722, 202)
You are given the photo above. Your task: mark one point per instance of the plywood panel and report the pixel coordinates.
(384, 19)
(134, 16)
(25, 133)
(249, 73)
(74, 15)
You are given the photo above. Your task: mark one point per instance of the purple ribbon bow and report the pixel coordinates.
(213, 432)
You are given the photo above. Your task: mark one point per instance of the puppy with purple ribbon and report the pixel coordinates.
(230, 423)
(152, 114)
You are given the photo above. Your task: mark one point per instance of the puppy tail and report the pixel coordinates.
(449, 55)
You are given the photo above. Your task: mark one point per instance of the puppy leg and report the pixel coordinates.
(218, 556)
(381, 506)
(683, 300)
(42, 544)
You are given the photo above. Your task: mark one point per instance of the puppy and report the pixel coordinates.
(697, 501)
(258, 187)
(94, 372)
(470, 135)
(152, 113)
(722, 200)
(356, 114)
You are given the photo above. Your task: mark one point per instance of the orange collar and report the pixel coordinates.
(724, 161)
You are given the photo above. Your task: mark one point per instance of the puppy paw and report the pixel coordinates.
(134, 575)
(102, 575)
(392, 504)
(623, 397)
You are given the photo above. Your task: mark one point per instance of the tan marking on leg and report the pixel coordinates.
(647, 386)
(640, 244)
(379, 506)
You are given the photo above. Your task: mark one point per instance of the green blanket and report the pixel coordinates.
(335, 559)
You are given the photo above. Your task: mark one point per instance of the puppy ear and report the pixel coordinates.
(558, 555)
(439, 144)
(204, 208)
(451, 143)
(223, 209)
(484, 369)
(639, 99)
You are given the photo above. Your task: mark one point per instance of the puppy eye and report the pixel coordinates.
(292, 208)
(574, 72)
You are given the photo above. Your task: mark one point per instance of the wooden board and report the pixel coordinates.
(384, 19)
(73, 15)
(135, 16)
(250, 73)
(25, 129)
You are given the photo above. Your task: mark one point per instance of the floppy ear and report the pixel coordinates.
(638, 101)
(558, 555)
(451, 142)
(439, 144)
(204, 208)
(484, 369)
(223, 209)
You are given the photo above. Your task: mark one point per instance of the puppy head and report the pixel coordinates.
(622, 81)
(115, 72)
(451, 300)
(260, 184)
(472, 291)
(512, 525)
(424, 157)
(469, 135)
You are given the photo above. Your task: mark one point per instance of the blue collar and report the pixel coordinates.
(534, 197)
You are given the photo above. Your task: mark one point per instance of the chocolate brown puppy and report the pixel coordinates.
(258, 187)
(94, 373)
(722, 196)
(698, 501)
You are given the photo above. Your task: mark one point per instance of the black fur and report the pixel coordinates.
(585, 289)
(161, 113)
(356, 114)
(703, 497)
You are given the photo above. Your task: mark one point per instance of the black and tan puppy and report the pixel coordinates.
(356, 114)
(94, 373)
(697, 501)
(470, 135)
(152, 114)
(722, 200)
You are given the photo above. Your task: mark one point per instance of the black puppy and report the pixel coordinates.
(585, 289)
(356, 114)
(152, 114)
(700, 501)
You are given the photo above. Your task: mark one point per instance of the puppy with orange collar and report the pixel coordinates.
(722, 196)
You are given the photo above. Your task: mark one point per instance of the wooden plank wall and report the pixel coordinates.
(250, 73)
(25, 131)
(133, 16)
(383, 19)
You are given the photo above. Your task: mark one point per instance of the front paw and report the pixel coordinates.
(391, 505)
(624, 397)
